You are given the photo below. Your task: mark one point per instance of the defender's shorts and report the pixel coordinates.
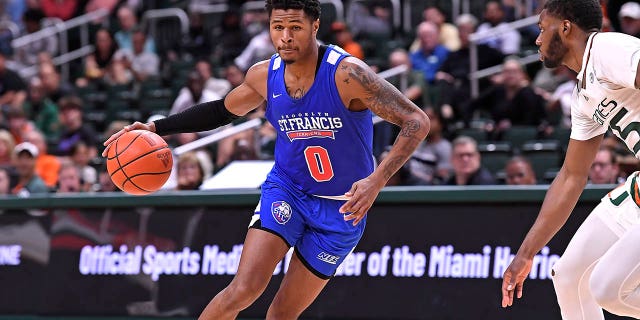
(313, 225)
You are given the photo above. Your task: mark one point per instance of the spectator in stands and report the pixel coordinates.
(105, 184)
(448, 32)
(54, 87)
(12, 88)
(220, 86)
(142, 64)
(128, 22)
(344, 39)
(63, 9)
(508, 42)
(117, 74)
(560, 99)
(230, 43)
(69, 179)
(13, 10)
(465, 160)
(25, 162)
(452, 78)
(629, 16)
(19, 124)
(80, 157)
(42, 110)
(371, 20)
(519, 171)
(416, 87)
(430, 163)
(27, 55)
(194, 93)
(6, 148)
(191, 172)
(5, 181)
(74, 128)
(95, 5)
(97, 63)
(605, 169)
(400, 177)
(242, 145)
(512, 101)
(431, 54)
(259, 48)
(234, 75)
(384, 132)
(47, 166)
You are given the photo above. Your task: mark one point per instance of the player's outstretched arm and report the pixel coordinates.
(209, 115)
(558, 204)
(361, 88)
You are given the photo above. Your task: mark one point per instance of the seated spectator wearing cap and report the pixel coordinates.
(74, 128)
(25, 162)
(518, 171)
(629, 16)
(344, 39)
(47, 166)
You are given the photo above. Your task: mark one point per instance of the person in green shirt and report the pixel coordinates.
(44, 112)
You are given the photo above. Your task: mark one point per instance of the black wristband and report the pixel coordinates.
(201, 117)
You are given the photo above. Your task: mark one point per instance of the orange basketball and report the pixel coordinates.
(139, 162)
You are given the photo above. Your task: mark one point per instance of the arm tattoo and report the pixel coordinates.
(392, 166)
(410, 128)
(383, 98)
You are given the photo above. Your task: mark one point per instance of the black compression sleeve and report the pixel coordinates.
(201, 117)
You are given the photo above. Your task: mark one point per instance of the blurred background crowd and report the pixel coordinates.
(72, 72)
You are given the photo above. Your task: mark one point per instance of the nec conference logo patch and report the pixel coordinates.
(328, 258)
(281, 211)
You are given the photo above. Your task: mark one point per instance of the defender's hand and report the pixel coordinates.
(134, 126)
(361, 197)
(513, 279)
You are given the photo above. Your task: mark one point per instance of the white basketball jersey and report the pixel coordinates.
(605, 96)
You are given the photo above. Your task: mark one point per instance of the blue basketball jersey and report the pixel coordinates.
(322, 148)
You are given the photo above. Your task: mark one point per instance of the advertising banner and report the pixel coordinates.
(422, 261)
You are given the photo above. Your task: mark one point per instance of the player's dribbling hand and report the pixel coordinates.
(513, 279)
(361, 197)
(134, 126)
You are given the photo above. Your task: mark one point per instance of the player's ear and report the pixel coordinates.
(566, 26)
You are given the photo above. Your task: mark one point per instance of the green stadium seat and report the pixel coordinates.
(519, 135)
(544, 155)
(494, 155)
(477, 134)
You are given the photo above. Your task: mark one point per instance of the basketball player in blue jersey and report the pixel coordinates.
(324, 180)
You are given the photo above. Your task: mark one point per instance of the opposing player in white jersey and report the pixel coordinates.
(600, 268)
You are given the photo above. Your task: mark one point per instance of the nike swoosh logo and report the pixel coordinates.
(273, 95)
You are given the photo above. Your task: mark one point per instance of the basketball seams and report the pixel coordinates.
(140, 156)
(125, 148)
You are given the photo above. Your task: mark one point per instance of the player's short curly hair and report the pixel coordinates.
(310, 7)
(587, 14)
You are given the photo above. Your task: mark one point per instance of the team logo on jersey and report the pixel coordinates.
(309, 125)
(281, 211)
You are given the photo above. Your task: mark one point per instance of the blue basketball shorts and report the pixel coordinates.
(312, 225)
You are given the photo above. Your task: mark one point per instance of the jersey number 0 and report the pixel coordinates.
(318, 163)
